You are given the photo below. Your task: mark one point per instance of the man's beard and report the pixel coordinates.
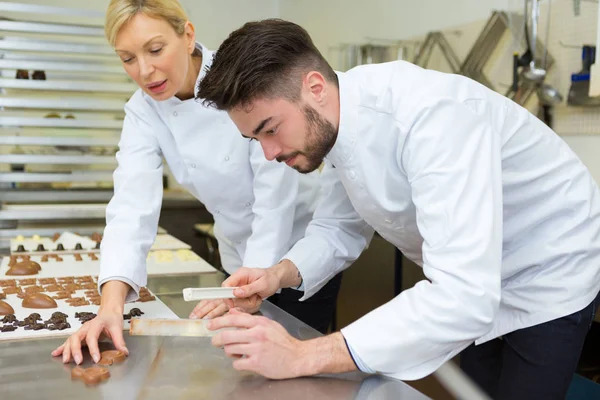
(320, 139)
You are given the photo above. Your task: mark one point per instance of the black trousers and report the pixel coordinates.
(532, 363)
(318, 310)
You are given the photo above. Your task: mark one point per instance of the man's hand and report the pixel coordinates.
(264, 346)
(107, 323)
(215, 308)
(263, 282)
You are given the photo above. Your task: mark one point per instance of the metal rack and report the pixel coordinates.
(58, 133)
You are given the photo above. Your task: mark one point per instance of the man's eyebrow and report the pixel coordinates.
(261, 125)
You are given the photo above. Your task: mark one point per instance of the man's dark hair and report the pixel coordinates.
(263, 59)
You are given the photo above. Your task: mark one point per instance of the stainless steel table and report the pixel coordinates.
(179, 368)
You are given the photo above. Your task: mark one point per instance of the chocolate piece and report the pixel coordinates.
(110, 357)
(93, 257)
(2, 295)
(22, 74)
(59, 314)
(136, 312)
(33, 289)
(62, 295)
(20, 249)
(147, 299)
(47, 281)
(78, 246)
(78, 257)
(44, 258)
(9, 319)
(96, 301)
(59, 259)
(39, 75)
(34, 327)
(72, 286)
(27, 282)
(97, 246)
(77, 372)
(89, 285)
(5, 308)
(78, 303)
(34, 317)
(8, 328)
(96, 237)
(25, 258)
(12, 290)
(91, 293)
(84, 279)
(95, 375)
(24, 268)
(54, 288)
(40, 247)
(12, 261)
(39, 300)
(8, 283)
(55, 236)
(60, 247)
(62, 326)
(84, 316)
(66, 279)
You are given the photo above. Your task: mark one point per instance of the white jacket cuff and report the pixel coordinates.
(132, 295)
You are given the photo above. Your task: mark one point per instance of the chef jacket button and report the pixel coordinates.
(248, 204)
(193, 165)
(174, 113)
(387, 220)
(351, 175)
(227, 158)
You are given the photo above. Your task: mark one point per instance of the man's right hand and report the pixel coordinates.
(108, 323)
(263, 282)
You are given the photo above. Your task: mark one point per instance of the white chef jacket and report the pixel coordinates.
(500, 213)
(260, 208)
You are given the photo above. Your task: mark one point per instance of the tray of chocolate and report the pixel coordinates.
(53, 264)
(68, 242)
(49, 307)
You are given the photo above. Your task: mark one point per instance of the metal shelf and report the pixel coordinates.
(50, 159)
(63, 104)
(49, 211)
(41, 27)
(60, 123)
(73, 86)
(43, 196)
(75, 66)
(56, 141)
(59, 47)
(37, 9)
(33, 177)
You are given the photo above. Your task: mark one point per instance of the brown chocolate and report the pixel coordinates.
(77, 372)
(95, 375)
(72, 286)
(55, 237)
(27, 282)
(78, 257)
(93, 257)
(12, 290)
(2, 295)
(84, 316)
(6, 308)
(146, 299)
(8, 283)
(110, 357)
(62, 295)
(84, 279)
(44, 258)
(66, 279)
(47, 281)
(25, 258)
(39, 300)
(8, 328)
(24, 268)
(59, 259)
(54, 288)
(33, 289)
(96, 237)
(34, 327)
(89, 285)
(9, 319)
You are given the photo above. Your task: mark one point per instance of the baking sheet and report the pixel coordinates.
(69, 240)
(158, 263)
(152, 309)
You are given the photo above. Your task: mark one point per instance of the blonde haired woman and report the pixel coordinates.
(260, 208)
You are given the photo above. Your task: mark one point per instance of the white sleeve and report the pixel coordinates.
(335, 237)
(452, 159)
(275, 188)
(132, 213)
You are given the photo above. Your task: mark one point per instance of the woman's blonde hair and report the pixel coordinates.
(119, 12)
